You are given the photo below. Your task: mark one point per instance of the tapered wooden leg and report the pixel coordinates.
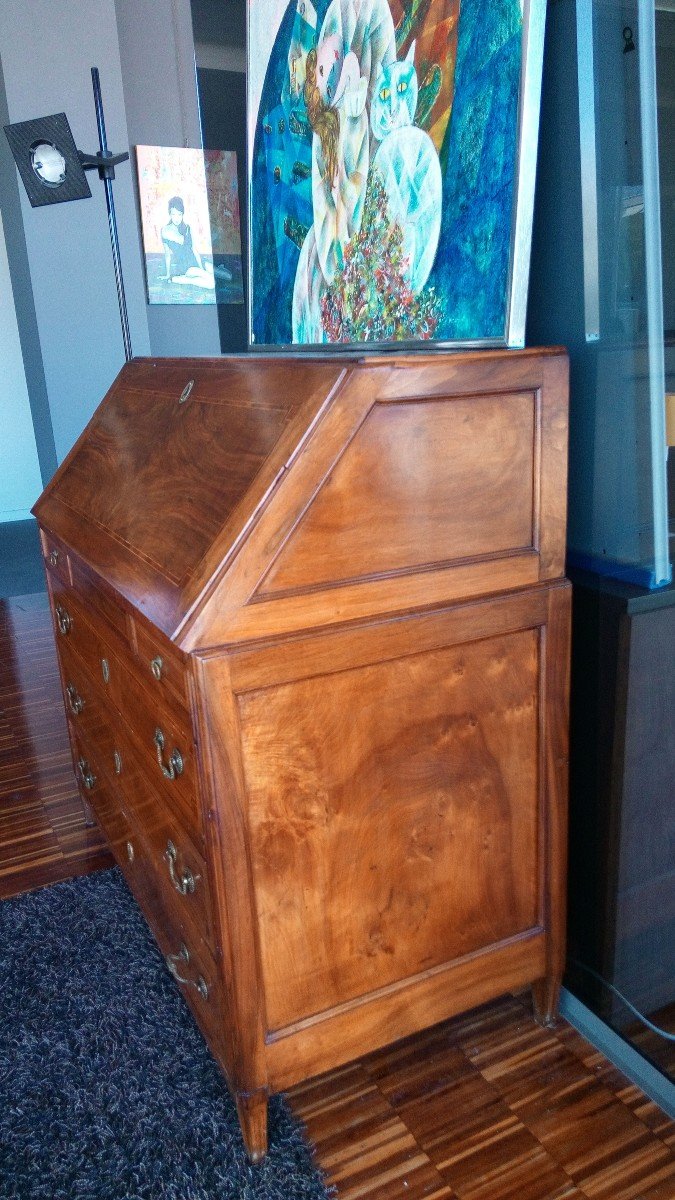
(252, 1113)
(545, 998)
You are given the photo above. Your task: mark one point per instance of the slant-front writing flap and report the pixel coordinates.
(174, 463)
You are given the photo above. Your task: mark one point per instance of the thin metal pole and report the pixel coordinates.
(112, 222)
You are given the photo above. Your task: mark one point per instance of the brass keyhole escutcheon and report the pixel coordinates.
(105, 670)
(117, 759)
(156, 667)
(130, 852)
(54, 557)
(185, 394)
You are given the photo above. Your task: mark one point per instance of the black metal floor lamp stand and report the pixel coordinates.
(105, 162)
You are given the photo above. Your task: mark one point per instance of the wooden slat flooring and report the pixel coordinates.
(485, 1107)
(488, 1106)
(43, 834)
(658, 1049)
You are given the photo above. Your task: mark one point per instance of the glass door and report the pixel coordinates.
(626, 532)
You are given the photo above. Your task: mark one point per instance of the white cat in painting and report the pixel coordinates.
(408, 166)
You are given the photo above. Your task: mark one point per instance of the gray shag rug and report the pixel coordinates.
(107, 1088)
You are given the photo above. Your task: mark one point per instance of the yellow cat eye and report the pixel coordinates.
(384, 93)
(402, 86)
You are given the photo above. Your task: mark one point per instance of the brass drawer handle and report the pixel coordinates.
(156, 667)
(86, 773)
(63, 619)
(186, 882)
(183, 956)
(131, 854)
(75, 701)
(175, 766)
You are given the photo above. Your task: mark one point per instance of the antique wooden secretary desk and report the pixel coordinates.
(313, 636)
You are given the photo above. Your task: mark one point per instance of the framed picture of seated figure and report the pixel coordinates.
(189, 205)
(391, 157)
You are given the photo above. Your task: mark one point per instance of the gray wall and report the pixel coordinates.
(47, 51)
(160, 92)
(29, 338)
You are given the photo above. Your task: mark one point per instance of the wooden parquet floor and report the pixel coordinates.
(43, 834)
(660, 1051)
(485, 1107)
(488, 1106)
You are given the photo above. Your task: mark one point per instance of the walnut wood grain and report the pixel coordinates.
(378, 510)
(442, 548)
(433, 1118)
(355, 571)
(363, 787)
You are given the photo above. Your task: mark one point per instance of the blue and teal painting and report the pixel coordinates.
(383, 151)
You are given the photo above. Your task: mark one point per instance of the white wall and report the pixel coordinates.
(160, 92)
(20, 479)
(47, 50)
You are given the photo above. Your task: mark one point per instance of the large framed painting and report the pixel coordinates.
(391, 148)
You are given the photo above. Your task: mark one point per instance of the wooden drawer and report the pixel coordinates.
(165, 750)
(162, 668)
(192, 966)
(90, 714)
(188, 958)
(56, 557)
(102, 606)
(180, 870)
(104, 801)
(108, 749)
(109, 656)
(93, 640)
(108, 631)
(171, 765)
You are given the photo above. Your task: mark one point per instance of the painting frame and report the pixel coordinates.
(522, 164)
(190, 225)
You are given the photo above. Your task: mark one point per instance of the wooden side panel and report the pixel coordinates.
(421, 483)
(394, 816)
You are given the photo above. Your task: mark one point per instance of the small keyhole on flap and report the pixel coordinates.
(185, 394)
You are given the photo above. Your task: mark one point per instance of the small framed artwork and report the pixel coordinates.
(190, 219)
(392, 153)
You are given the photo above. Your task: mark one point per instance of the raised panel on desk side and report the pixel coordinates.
(393, 812)
(322, 552)
(372, 1008)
